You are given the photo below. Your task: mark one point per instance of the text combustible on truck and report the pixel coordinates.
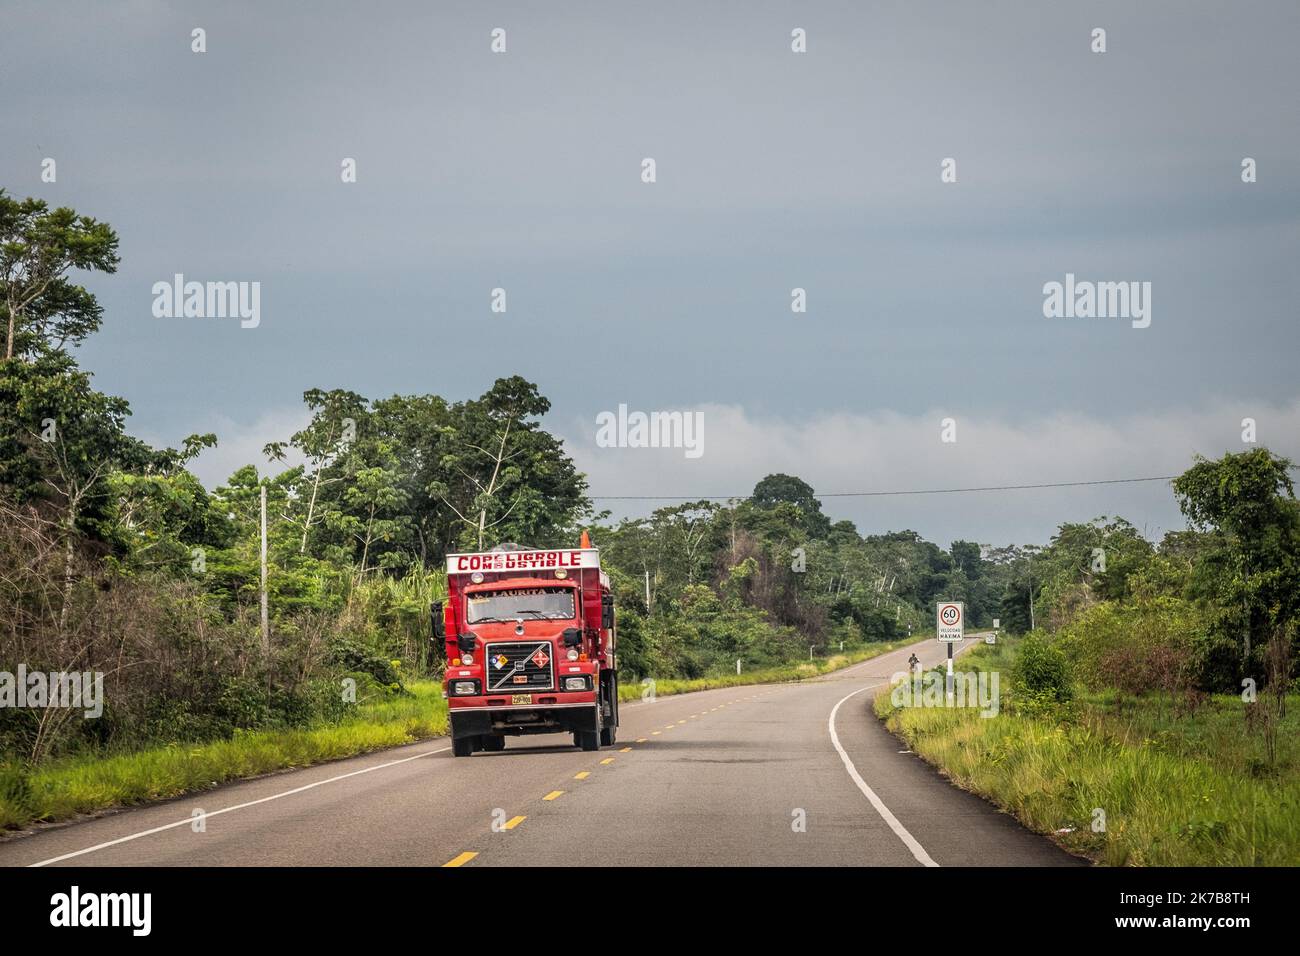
(530, 647)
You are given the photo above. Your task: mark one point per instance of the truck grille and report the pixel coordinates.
(520, 666)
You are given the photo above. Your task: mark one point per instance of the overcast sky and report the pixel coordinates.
(775, 170)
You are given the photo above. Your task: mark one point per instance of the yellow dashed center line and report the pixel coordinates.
(655, 733)
(513, 822)
(681, 721)
(607, 760)
(625, 750)
(553, 794)
(641, 740)
(460, 860)
(582, 776)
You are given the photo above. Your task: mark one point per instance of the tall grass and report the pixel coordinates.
(86, 784)
(1126, 782)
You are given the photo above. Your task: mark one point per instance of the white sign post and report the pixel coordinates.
(950, 618)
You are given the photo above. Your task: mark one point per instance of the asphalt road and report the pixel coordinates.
(789, 774)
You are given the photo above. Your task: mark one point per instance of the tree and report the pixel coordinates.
(776, 489)
(377, 505)
(1251, 565)
(158, 515)
(60, 441)
(42, 309)
(333, 426)
(499, 472)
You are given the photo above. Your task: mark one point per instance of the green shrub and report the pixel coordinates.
(1216, 663)
(355, 656)
(1041, 670)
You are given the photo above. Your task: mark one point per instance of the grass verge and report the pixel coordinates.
(89, 783)
(1149, 781)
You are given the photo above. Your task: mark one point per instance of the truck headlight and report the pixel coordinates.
(464, 688)
(575, 684)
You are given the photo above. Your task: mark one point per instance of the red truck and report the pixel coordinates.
(530, 647)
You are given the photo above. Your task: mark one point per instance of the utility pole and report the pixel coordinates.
(647, 592)
(266, 625)
(1031, 595)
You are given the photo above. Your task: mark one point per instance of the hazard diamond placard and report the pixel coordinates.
(950, 619)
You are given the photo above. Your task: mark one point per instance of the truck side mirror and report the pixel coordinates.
(606, 612)
(572, 637)
(435, 620)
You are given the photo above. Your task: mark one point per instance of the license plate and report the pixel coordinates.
(521, 698)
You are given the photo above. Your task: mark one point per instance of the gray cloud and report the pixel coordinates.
(775, 171)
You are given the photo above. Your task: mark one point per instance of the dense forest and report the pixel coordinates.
(114, 557)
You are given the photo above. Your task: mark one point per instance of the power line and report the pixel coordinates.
(882, 494)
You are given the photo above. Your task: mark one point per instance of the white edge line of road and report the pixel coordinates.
(238, 806)
(900, 831)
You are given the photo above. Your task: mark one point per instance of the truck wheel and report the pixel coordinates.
(494, 743)
(609, 730)
(587, 739)
(462, 746)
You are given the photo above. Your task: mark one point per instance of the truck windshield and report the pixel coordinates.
(548, 604)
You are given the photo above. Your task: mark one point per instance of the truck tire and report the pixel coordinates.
(587, 739)
(462, 746)
(494, 743)
(609, 730)
(610, 726)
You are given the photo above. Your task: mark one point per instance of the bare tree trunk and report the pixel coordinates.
(491, 488)
(68, 554)
(365, 545)
(315, 488)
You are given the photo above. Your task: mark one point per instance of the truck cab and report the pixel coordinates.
(530, 643)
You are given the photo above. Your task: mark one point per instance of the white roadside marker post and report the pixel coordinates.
(949, 628)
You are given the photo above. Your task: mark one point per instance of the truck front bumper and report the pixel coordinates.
(474, 716)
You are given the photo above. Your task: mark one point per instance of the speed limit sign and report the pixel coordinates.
(950, 619)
